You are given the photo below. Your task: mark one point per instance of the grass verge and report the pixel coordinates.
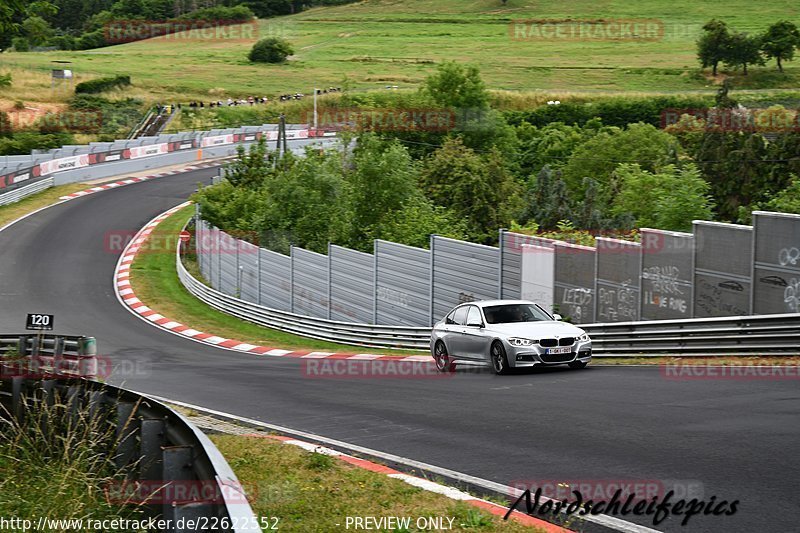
(52, 468)
(156, 283)
(37, 201)
(309, 491)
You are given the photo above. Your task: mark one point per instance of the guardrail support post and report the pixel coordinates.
(152, 432)
(176, 466)
(126, 431)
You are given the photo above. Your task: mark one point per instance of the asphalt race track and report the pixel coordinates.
(735, 439)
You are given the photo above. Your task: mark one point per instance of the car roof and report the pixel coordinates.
(489, 303)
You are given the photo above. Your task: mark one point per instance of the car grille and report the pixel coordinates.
(558, 357)
(552, 343)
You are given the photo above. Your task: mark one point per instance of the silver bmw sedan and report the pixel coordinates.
(508, 334)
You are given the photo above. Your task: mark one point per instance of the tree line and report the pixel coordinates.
(80, 24)
(734, 49)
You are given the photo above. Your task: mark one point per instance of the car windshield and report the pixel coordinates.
(510, 313)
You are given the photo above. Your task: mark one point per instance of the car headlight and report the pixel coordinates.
(584, 338)
(517, 341)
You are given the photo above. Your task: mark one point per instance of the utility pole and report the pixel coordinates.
(281, 121)
(315, 108)
(283, 129)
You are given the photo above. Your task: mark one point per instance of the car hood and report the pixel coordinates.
(536, 330)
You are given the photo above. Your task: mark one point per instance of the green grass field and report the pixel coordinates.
(375, 43)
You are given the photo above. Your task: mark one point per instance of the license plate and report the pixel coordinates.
(558, 350)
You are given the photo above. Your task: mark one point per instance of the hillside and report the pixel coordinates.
(376, 43)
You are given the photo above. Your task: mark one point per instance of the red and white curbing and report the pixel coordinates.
(425, 484)
(130, 181)
(127, 296)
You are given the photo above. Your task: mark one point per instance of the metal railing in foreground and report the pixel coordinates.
(166, 463)
(757, 335)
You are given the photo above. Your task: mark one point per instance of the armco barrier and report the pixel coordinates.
(184, 475)
(18, 194)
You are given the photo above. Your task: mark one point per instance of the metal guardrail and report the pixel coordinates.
(762, 334)
(755, 335)
(23, 192)
(165, 459)
(48, 356)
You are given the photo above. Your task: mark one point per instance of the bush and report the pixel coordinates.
(270, 50)
(221, 14)
(5, 80)
(95, 39)
(63, 42)
(20, 44)
(100, 85)
(613, 111)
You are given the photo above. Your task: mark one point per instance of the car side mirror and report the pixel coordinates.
(557, 316)
(475, 325)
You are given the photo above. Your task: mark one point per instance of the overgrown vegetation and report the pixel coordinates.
(55, 463)
(100, 85)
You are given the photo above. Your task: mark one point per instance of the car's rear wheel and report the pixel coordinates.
(442, 358)
(499, 359)
(577, 365)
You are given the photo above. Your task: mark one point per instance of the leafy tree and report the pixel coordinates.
(454, 86)
(743, 50)
(9, 10)
(302, 204)
(414, 223)
(733, 164)
(722, 99)
(597, 157)
(382, 181)
(780, 41)
(668, 199)
(37, 30)
(270, 50)
(787, 200)
(712, 46)
(252, 167)
(547, 200)
(477, 189)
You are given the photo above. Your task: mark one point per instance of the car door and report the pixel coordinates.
(454, 327)
(476, 343)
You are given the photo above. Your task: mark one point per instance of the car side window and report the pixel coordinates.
(460, 316)
(474, 315)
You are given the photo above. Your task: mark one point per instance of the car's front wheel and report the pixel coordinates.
(442, 358)
(577, 365)
(499, 359)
